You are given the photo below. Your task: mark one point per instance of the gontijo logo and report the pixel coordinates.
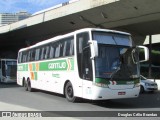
(57, 65)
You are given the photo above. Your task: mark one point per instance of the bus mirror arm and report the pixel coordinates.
(146, 53)
(94, 48)
(6, 67)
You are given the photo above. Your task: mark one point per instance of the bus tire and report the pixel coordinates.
(69, 93)
(25, 85)
(30, 89)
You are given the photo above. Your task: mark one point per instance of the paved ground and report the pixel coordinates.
(15, 98)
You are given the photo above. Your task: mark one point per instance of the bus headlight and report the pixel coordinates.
(101, 85)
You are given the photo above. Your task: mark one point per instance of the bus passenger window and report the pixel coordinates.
(37, 54)
(72, 47)
(69, 47)
(20, 57)
(47, 52)
(52, 51)
(33, 55)
(61, 44)
(28, 56)
(57, 51)
(42, 53)
(68, 43)
(64, 49)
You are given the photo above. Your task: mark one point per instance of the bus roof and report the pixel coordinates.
(70, 34)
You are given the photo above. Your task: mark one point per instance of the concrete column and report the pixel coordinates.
(150, 57)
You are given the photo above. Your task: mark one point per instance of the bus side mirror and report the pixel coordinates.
(6, 67)
(94, 48)
(143, 53)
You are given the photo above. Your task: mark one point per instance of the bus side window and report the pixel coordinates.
(42, 53)
(37, 54)
(67, 51)
(24, 56)
(46, 52)
(72, 47)
(33, 53)
(28, 56)
(57, 50)
(64, 48)
(20, 57)
(61, 44)
(52, 51)
(68, 47)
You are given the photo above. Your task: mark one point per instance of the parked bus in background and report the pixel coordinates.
(90, 63)
(8, 68)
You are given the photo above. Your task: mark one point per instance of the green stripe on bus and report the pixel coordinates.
(22, 67)
(102, 80)
(57, 65)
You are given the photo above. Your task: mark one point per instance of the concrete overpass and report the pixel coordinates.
(139, 17)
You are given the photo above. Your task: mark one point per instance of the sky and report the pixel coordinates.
(31, 6)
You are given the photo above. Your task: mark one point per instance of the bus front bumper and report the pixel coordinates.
(99, 93)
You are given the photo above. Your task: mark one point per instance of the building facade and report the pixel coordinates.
(8, 18)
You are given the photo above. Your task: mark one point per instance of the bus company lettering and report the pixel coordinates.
(61, 65)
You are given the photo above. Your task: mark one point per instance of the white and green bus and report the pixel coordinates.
(8, 69)
(90, 63)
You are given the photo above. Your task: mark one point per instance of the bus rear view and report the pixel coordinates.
(8, 70)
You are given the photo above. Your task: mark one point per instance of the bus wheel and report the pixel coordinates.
(30, 89)
(69, 93)
(25, 85)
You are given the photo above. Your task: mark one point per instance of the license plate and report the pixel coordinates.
(121, 93)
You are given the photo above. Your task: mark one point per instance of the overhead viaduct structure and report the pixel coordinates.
(139, 17)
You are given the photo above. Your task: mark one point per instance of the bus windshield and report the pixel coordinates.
(11, 68)
(115, 58)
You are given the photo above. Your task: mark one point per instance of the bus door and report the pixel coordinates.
(11, 68)
(3, 70)
(87, 73)
(84, 64)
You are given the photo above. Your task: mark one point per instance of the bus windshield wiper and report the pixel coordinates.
(114, 72)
